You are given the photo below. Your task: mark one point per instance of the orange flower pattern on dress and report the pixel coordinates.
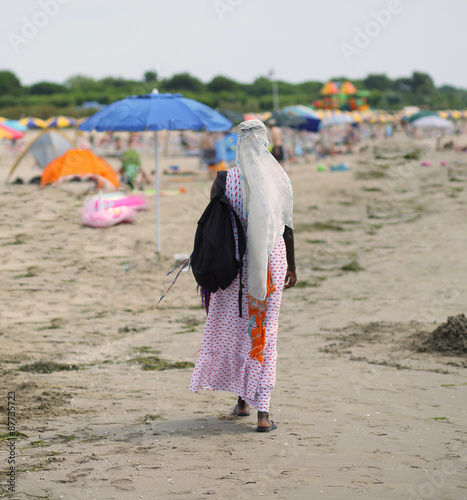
(256, 326)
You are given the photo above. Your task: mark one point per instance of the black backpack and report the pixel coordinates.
(213, 260)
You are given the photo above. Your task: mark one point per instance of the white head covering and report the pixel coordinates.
(267, 201)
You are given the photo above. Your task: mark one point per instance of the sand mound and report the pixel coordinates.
(450, 337)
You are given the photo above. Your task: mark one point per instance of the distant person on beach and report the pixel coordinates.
(405, 126)
(238, 354)
(207, 150)
(351, 137)
(184, 141)
(389, 131)
(277, 142)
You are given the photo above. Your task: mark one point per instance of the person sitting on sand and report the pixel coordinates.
(132, 172)
(238, 354)
(207, 150)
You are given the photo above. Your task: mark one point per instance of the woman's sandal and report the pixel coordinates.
(240, 414)
(267, 429)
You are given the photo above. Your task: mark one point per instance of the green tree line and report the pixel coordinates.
(44, 99)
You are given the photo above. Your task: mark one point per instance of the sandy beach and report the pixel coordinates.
(363, 410)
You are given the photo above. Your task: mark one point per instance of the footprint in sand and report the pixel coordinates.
(370, 480)
(133, 435)
(123, 484)
(76, 474)
(87, 458)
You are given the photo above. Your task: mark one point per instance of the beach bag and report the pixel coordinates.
(213, 261)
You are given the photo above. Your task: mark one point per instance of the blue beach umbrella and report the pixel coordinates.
(311, 122)
(156, 112)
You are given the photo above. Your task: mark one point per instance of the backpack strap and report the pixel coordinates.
(241, 252)
(218, 188)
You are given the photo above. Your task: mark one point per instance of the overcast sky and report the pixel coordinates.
(243, 39)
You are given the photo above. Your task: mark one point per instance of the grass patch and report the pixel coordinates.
(189, 330)
(370, 175)
(66, 439)
(48, 367)
(55, 323)
(311, 283)
(379, 156)
(346, 222)
(150, 418)
(93, 439)
(146, 349)
(371, 189)
(31, 272)
(38, 444)
(19, 240)
(128, 329)
(383, 166)
(318, 226)
(190, 322)
(416, 154)
(316, 242)
(454, 192)
(12, 435)
(442, 419)
(352, 266)
(159, 364)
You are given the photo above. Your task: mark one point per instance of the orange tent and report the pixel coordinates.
(82, 163)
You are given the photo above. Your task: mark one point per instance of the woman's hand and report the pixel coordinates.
(290, 278)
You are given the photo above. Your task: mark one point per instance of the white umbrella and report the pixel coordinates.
(337, 120)
(435, 122)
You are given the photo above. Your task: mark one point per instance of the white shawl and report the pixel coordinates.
(267, 201)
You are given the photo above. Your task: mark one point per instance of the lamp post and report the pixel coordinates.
(275, 90)
(275, 95)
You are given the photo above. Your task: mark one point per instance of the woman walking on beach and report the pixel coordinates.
(238, 354)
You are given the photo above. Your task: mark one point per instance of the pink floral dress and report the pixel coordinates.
(224, 362)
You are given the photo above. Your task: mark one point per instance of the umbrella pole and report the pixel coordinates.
(286, 154)
(156, 183)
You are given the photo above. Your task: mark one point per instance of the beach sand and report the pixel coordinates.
(380, 253)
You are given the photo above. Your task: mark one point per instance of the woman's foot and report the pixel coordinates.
(265, 424)
(242, 408)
